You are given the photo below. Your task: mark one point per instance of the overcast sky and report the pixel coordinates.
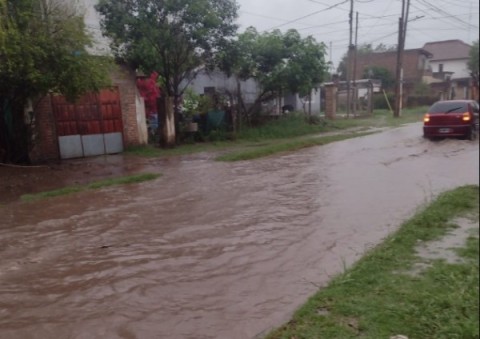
(327, 20)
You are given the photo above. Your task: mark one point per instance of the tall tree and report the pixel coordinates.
(171, 37)
(363, 49)
(380, 73)
(43, 48)
(473, 64)
(278, 62)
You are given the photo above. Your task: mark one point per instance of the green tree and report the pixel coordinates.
(363, 49)
(43, 48)
(380, 73)
(473, 62)
(278, 62)
(171, 37)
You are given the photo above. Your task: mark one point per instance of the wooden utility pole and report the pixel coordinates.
(349, 58)
(355, 89)
(402, 32)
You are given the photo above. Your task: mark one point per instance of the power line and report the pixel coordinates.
(426, 12)
(459, 3)
(384, 11)
(271, 17)
(309, 15)
(441, 11)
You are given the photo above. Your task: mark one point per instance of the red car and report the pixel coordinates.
(451, 118)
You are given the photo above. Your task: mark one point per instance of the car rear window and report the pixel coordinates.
(449, 107)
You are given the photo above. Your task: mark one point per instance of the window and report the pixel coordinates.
(449, 107)
(440, 68)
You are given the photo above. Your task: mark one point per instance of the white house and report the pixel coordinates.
(219, 82)
(449, 56)
(449, 66)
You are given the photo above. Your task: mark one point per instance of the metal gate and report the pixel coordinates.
(90, 126)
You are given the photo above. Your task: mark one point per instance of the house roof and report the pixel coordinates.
(448, 49)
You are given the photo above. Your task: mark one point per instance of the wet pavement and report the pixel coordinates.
(213, 250)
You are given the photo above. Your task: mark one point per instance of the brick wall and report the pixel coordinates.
(330, 101)
(133, 121)
(45, 134)
(412, 62)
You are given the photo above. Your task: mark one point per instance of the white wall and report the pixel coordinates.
(459, 67)
(222, 83)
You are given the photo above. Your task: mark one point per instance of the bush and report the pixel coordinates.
(420, 100)
(379, 101)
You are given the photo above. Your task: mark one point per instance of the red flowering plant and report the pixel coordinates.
(150, 92)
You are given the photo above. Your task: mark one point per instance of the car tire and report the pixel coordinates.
(472, 134)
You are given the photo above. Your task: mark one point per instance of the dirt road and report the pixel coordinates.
(213, 250)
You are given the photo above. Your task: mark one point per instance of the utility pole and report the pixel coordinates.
(349, 58)
(402, 32)
(332, 69)
(355, 89)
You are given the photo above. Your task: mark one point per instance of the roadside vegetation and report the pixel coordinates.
(380, 297)
(270, 138)
(131, 179)
(284, 146)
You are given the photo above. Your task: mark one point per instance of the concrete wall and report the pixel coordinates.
(458, 67)
(223, 83)
(299, 104)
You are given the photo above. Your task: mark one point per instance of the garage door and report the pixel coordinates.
(90, 126)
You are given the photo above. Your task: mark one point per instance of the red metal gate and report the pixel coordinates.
(90, 126)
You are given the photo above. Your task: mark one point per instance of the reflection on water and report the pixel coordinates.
(213, 250)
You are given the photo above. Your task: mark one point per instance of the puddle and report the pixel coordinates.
(444, 248)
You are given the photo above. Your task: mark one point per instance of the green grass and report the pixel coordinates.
(374, 299)
(292, 127)
(151, 151)
(132, 179)
(263, 150)
(382, 118)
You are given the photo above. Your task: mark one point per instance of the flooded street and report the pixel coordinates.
(214, 250)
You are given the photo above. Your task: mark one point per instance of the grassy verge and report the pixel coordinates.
(382, 118)
(374, 299)
(95, 185)
(280, 147)
(292, 127)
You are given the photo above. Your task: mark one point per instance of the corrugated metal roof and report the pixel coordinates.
(448, 49)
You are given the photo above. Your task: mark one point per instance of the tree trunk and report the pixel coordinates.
(167, 122)
(310, 104)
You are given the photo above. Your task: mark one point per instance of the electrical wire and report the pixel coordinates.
(441, 11)
(426, 12)
(384, 11)
(309, 15)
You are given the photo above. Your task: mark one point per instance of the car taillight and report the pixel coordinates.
(466, 117)
(426, 118)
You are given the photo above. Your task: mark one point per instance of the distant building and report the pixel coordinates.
(449, 64)
(415, 65)
(449, 59)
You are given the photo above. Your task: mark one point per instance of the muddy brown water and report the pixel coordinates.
(213, 250)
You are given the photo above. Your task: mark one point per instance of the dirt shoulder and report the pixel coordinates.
(18, 180)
